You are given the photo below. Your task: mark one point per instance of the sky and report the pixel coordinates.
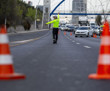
(92, 6)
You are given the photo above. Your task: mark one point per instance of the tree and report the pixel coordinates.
(16, 12)
(98, 20)
(7, 11)
(31, 13)
(39, 14)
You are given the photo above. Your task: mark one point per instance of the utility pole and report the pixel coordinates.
(36, 17)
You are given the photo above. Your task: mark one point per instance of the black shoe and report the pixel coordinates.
(54, 41)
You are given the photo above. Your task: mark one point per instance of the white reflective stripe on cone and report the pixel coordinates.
(105, 40)
(4, 38)
(104, 59)
(6, 59)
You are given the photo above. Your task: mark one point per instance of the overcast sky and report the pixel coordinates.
(93, 5)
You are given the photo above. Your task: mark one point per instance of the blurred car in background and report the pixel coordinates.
(84, 31)
(63, 28)
(70, 28)
(101, 30)
(97, 30)
(75, 28)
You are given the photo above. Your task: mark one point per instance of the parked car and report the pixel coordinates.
(84, 31)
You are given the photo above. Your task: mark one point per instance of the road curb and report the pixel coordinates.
(25, 32)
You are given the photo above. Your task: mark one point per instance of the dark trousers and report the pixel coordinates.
(55, 34)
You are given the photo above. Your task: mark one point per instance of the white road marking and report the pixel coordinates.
(87, 47)
(77, 43)
(22, 41)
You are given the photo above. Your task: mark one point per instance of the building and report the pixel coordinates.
(78, 6)
(46, 13)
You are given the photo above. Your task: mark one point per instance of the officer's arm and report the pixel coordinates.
(58, 16)
(51, 22)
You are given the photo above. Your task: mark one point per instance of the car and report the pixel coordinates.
(70, 28)
(59, 27)
(101, 30)
(63, 28)
(84, 31)
(76, 27)
(97, 30)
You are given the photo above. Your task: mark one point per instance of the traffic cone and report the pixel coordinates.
(64, 33)
(70, 34)
(100, 36)
(94, 36)
(6, 63)
(58, 32)
(103, 70)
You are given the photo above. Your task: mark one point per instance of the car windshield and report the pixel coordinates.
(63, 26)
(92, 24)
(83, 28)
(70, 26)
(95, 27)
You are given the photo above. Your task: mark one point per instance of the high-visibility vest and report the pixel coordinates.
(55, 22)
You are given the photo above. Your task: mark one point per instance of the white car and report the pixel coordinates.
(84, 31)
(96, 30)
(63, 28)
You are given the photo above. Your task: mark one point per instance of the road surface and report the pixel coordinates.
(56, 67)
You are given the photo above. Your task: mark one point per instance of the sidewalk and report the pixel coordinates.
(30, 31)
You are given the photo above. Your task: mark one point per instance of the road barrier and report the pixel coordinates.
(103, 70)
(6, 63)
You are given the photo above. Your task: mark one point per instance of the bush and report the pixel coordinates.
(26, 25)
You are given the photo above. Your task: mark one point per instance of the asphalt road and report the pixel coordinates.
(26, 36)
(56, 67)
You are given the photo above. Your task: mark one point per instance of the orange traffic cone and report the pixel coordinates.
(70, 34)
(58, 32)
(64, 33)
(103, 70)
(94, 36)
(100, 36)
(6, 63)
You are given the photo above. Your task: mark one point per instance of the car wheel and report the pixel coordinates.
(76, 36)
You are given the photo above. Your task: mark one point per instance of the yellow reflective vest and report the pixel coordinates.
(55, 22)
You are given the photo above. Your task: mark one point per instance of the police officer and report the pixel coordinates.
(55, 28)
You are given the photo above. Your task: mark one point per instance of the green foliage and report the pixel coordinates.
(39, 14)
(31, 13)
(7, 10)
(98, 20)
(16, 12)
